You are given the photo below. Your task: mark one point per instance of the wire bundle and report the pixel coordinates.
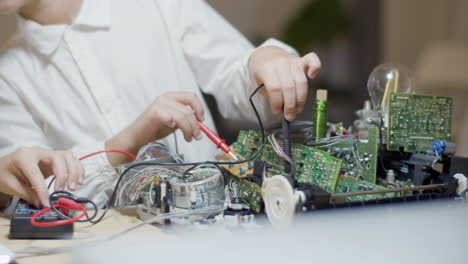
(192, 164)
(142, 181)
(62, 202)
(146, 153)
(280, 152)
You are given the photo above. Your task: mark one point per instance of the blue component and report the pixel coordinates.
(238, 157)
(231, 165)
(241, 170)
(438, 147)
(249, 165)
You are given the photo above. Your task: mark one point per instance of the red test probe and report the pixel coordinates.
(220, 143)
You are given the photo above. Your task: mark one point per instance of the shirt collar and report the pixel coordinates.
(93, 15)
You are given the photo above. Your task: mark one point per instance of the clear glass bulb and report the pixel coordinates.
(387, 78)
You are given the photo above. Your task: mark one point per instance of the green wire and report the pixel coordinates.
(320, 118)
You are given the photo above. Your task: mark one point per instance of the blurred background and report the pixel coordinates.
(430, 37)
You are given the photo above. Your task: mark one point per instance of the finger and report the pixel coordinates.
(289, 94)
(311, 64)
(189, 119)
(165, 117)
(81, 173)
(182, 122)
(34, 175)
(192, 100)
(73, 171)
(301, 86)
(275, 95)
(59, 167)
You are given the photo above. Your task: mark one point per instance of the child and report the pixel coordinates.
(87, 75)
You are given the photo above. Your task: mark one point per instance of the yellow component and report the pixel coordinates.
(384, 98)
(234, 169)
(395, 84)
(156, 180)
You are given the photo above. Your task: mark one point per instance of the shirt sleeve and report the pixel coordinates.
(21, 128)
(218, 55)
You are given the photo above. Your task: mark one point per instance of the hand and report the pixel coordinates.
(285, 78)
(22, 173)
(169, 112)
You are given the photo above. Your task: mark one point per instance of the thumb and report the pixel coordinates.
(311, 65)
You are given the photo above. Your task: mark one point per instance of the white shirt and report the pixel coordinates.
(72, 87)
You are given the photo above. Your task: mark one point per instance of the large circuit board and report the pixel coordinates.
(416, 120)
(313, 166)
(359, 157)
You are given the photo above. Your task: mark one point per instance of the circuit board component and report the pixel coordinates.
(249, 192)
(348, 184)
(368, 152)
(416, 120)
(359, 157)
(313, 165)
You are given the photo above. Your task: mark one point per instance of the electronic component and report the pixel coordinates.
(352, 185)
(21, 227)
(313, 165)
(417, 120)
(359, 156)
(320, 118)
(282, 198)
(203, 189)
(286, 144)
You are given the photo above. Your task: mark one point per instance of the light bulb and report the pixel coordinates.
(387, 78)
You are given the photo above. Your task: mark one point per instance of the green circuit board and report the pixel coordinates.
(368, 153)
(359, 158)
(313, 165)
(348, 184)
(249, 192)
(416, 120)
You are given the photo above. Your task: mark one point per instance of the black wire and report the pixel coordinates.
(381, 150)
(192, 164)
(67, 195)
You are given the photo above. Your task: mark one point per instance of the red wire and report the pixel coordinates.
(110, 150)
(58, 222)
(76, 206)
(100, 152)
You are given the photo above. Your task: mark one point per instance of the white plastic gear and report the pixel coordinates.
(280, 200)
